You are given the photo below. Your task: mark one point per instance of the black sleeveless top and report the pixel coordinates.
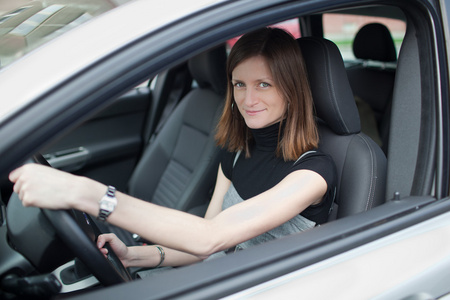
(263, 170)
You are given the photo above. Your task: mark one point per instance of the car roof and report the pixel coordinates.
(56, 62)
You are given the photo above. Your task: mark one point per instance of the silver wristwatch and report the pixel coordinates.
(107, 204)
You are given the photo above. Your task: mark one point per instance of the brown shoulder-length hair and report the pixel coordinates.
(287, 66)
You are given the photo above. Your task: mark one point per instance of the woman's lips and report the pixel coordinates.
(253, 112)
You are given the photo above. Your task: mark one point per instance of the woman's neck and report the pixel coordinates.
(267, 138)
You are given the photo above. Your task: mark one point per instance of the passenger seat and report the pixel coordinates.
(360, 162)
(372, 80)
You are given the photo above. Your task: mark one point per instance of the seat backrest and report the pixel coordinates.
(178, 168)
(360, 162)
(372, 79)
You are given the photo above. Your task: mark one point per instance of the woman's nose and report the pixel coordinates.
(250, 98)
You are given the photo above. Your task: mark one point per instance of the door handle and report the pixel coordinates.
(68, 160)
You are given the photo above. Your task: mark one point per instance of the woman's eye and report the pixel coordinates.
(264, 84)
(239, 84)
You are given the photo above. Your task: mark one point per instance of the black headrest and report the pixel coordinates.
(331, 91)
(209, 69)
(374, 41)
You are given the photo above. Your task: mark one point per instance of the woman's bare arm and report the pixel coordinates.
(45, 187)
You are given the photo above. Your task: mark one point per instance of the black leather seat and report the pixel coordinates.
(372, 80)
(360, 162)
(178, 169)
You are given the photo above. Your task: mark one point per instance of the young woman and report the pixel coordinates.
(272, 181)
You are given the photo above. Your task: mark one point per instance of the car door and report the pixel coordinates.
(108, 145)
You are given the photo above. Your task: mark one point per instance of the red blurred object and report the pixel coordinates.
(290, 26)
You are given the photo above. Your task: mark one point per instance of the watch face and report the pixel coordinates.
(107, 204)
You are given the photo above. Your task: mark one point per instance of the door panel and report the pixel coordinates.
(107, 147)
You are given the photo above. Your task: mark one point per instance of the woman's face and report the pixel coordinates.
(257, 97)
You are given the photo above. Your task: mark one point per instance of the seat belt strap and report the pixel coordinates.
(182, 84)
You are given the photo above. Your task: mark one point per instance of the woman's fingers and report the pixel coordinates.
(45, 187)
(106, 238)
(102, 240)
(114, 242)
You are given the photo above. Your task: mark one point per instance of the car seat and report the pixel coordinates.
(360, 162)
(179, 167)
(372, 80)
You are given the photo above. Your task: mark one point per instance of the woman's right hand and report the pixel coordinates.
(116, 244)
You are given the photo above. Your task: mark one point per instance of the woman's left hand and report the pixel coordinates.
(45, 187)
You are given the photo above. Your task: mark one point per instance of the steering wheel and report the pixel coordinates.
(75, 229)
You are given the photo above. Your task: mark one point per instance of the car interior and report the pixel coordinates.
(156, 141)
(177, 169)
